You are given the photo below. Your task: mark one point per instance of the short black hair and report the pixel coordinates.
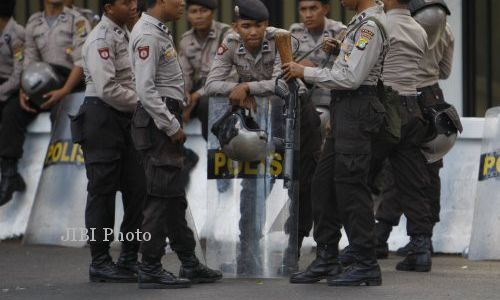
(149, 4)
(7, 8)
(104, 2)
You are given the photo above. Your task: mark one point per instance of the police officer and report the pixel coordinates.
(435, 65)
(340, 190)
(408, 44)
(253, 52)
(157, 133)
(87, 13)
(196, 53)
(11, 54)
(311, 33)
(54, 36)
(102, 127)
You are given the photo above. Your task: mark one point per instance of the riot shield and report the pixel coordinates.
(246, 234)
(485, 238)
(61, 196)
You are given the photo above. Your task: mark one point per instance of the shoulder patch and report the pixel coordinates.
(222, 49)
(103, 53)
(143, 52)
(18, 50)
(361, 43)
(81, 28)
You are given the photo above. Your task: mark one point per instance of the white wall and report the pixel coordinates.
(453, 87)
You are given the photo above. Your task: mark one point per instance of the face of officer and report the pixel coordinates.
(252, 33)
(312, 14)
(120, 11)
(172, 9)
(200, 17)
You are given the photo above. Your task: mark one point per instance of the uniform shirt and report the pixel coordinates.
(60, 44)
(408, 42)
(438, 61)
(196, 59)
(361, 55)
(11, 58)
(157, 70)
(320, 58)
(107, 68)
(260, 72)
(88, 14)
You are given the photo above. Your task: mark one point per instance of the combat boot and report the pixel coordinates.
(382, 232)
(364, 271)
(195, 271)
(403, 251)
(326, 265)
(419, 258)
(127, 260)
(153, 276)
(11, 180)
(347, 256)
(102, 269)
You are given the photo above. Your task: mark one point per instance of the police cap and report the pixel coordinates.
(251, 10)
(210, 4)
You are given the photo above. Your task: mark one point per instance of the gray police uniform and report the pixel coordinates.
(102, 128)
(196, 59)
(340, 185)
(332, 29)
(160, 86)
(60, 45)
(260, 72)
(435, 65)
(408, 42)
(11, 62)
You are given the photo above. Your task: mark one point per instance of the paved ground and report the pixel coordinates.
(36, 272)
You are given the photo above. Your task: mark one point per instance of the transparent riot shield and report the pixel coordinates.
(62, 192)
(250, 219)
(485, 238)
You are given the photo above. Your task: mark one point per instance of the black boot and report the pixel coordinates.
(382, 232)
(127, 260)
(347, 256)
(419, 258)
(11, 180)
(325, 265)
(364, 271)
(195, 271)
(403, 251)
(153, 276)
(290, 263)
(102, 269)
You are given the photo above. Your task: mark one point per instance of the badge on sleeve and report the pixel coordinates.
(18, 52)
(361, 43)
(81, 29)
(143, 52)
(104, 53)
(222, 49)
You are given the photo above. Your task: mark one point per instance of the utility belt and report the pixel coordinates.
(98, 101)
(173, 105)
(430, 96)
(364, 90)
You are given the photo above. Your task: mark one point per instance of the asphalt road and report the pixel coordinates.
(39, 272)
